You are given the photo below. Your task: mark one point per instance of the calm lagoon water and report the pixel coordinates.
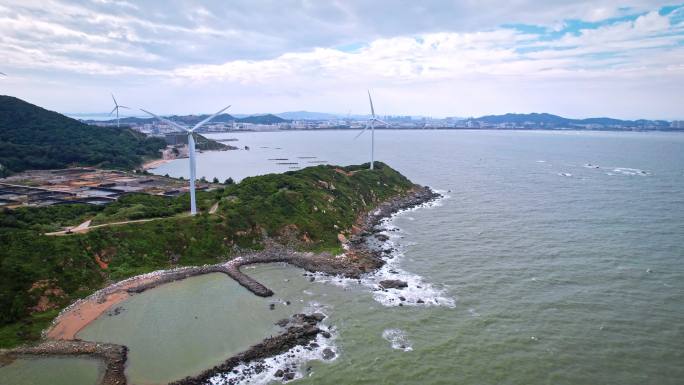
(52, 371)
(557, 258)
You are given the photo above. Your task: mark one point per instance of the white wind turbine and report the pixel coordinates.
(371, 123)
(116, 108)
(191, 150)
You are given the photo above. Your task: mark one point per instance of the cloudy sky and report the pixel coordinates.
(575, 58)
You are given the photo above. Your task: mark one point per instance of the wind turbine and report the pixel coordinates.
(371, 123)
(191, 150)
(116, 108)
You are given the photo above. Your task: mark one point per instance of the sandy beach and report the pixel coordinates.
(155, 163)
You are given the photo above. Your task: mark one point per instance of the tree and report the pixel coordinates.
(215, 180)
(229, 181)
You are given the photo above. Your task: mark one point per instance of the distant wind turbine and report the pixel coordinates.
(191, 150)
(371, 123)
(116, 108)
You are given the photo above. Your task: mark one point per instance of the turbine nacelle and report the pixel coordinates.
(191, 149)
(371, 123)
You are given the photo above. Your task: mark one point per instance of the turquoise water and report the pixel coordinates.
(560, 272)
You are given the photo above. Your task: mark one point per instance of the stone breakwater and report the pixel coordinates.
(301, 330)
(114, 356)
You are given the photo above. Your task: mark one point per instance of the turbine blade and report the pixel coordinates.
(382, 121)
(128, 108)
(114, 109)
(371, 104)
(114, 99)
(166, 120)
(198, 125)
(361, 133)
(3, 74)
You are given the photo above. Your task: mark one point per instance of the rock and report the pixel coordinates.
(271, 306)
(393, 284)
(402, 299)
(381, 237)
(283, 322)
(420, 301)
(314, 345)
(311, 279)
(328, 354)
(279, 373)
(318, 316)
(288, 376)
(325, 334)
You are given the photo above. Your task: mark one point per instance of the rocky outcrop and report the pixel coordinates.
(393, 284)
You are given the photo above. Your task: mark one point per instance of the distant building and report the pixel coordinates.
(175, 139)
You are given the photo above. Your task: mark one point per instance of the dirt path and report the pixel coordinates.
(81, 229)
(213, 208)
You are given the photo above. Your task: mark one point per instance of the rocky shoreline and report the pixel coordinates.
(357, 260)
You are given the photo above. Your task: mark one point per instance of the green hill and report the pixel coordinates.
(32, 137)
(306, 209)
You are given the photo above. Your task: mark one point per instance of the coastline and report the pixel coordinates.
(358, 259)
(152, 164)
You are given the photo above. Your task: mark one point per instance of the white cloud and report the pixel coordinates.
(275, 54)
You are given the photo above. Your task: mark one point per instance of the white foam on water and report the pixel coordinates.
(630, 171)
(397, 339)
(589, 165)
(293, 361)
(564, 174)
(417, 293)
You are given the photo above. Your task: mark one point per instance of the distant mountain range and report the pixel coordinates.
(544, 120)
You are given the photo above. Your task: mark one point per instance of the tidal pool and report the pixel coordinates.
(52, 371)
(181, 328)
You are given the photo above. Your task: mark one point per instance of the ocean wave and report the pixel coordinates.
(630, 171)
(284, 367)
(417, 293)
(564, 174)
(397, 339)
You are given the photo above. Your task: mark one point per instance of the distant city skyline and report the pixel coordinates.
(620, 59)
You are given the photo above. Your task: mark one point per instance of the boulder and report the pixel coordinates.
(393, 284)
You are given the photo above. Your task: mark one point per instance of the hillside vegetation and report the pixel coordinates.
(35, 138)
(306, 209)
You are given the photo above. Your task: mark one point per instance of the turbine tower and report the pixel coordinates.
(191, 151)
(116, 108)
(371, 123)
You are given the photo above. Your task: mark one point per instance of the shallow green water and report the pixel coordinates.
(52, 371)
(184, 327)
